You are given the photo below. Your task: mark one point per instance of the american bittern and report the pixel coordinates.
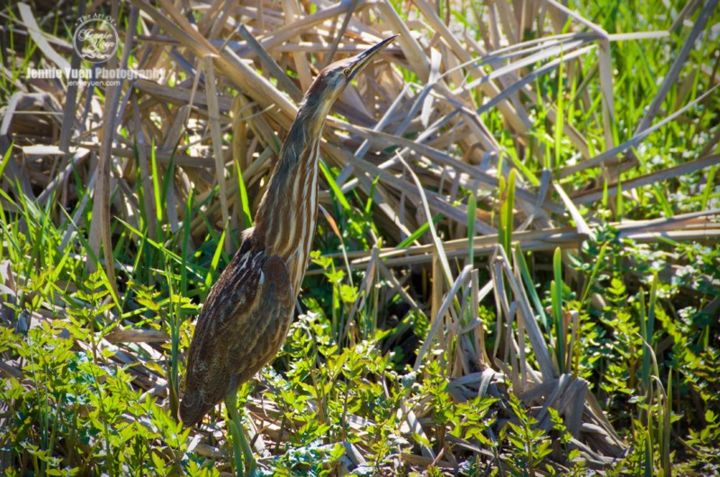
(248, 312)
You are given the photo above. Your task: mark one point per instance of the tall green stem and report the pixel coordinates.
(241, 446)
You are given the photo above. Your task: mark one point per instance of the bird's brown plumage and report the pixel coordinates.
(247, 314)
(244, 321)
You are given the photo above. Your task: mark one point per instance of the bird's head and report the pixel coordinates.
(333, 79)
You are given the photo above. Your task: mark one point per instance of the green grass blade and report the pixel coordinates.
(339, 195)
(707, 190)
(371, 194)
(186, 237)
(419, 232)
(594, 272)
(556, 287)
(645, 369)
(530, 287)
(194, 269)
(651, 309)
(502, 229)
(507, 211)
(667, 429)
(559, 120)
(156, 185)
(244, 203)
(6, 159)
(215, 260)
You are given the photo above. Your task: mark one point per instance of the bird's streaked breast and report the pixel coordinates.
(292, 200)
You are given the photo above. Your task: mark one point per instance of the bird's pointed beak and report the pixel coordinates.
(361, 60)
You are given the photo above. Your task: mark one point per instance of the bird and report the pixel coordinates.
(247, 314)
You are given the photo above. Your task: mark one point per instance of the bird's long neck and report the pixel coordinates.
(287, 214)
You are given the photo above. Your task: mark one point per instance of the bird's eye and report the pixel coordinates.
(347, 72)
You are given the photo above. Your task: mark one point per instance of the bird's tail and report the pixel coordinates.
(193, 408)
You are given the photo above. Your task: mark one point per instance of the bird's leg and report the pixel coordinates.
(241, 445)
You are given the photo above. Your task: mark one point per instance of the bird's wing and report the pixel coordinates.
(256, 342)
(252, 292)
